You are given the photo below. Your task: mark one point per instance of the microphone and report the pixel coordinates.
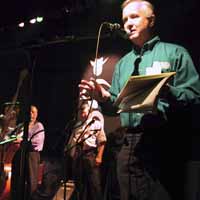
(112, 26)
(117, 30)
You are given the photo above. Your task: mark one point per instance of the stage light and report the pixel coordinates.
(39, 19)
(21, 25)
(33, 21)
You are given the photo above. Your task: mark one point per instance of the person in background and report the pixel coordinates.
(85, 147)
(53, 168)
(9, 119)
(9, 126)
(36, 136)
(137, 162)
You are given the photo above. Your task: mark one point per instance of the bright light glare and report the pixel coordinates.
(39, 19)
(21, 25)
(33, 21)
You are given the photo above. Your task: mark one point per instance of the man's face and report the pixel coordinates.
(137, 23)
(33, 114)
(83, 113)
(11, 112)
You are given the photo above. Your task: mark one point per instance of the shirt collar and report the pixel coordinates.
(147, 45)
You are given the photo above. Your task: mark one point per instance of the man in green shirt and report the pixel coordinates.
(148, 54)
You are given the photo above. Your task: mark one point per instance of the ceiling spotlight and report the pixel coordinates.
(21, 25)
(39, 19)
(33, 21)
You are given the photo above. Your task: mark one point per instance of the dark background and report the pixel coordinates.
(57, 51)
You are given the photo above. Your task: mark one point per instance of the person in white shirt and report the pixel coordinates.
(36, 136)
(87, 144)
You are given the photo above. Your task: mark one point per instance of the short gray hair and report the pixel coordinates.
(144, 2)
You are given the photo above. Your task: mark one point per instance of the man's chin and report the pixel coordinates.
(133, 36)
(133, 39)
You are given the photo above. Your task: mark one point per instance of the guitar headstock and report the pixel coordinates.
(22, 75)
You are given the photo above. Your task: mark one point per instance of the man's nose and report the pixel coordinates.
(129, 23)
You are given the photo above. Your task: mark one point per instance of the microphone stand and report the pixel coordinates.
(24, 158)
(24, 146)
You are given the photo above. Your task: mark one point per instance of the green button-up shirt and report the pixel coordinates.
(166, 57)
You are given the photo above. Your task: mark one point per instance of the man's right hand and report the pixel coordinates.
(94, 88)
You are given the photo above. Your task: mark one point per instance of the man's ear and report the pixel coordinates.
(152, 19)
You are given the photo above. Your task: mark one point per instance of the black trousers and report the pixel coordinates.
(136, 177)
(32, 161)
(192, 185)
(87, 177)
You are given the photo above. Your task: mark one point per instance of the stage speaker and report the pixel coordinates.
(70, 187)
